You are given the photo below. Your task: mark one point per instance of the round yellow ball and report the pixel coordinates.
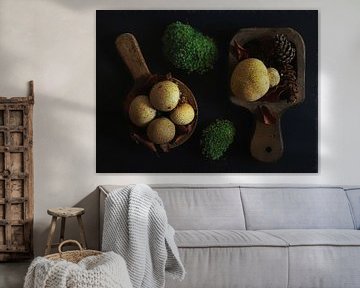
(250, 80)
(274, 76)
(161, 130)
(183, 114)
(140, 111)
(165, 95)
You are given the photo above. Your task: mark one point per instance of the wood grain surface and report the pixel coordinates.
(16, 177)
(267, 142)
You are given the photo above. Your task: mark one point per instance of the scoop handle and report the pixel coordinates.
(130, 52)
(267, 143)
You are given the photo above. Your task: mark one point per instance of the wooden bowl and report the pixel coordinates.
(267, 142)
(130, 52)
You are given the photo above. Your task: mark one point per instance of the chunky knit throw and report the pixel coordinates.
(136, 227)
(107, 270)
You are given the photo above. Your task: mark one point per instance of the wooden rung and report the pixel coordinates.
(13, 248)
(17, 200)
(13, 222)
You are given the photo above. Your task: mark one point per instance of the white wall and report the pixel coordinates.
(53, 43)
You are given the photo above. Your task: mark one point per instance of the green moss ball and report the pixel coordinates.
(217, 138)
(188, 49)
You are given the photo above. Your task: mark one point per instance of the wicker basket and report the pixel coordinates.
(72, 256)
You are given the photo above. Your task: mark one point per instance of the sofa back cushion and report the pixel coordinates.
(203, 208)
(296, 208)
(354, 198)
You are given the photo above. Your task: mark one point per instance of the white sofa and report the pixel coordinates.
(237, 236)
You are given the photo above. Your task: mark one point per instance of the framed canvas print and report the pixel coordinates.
(207, 91)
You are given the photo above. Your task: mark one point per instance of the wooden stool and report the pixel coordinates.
(64, 213)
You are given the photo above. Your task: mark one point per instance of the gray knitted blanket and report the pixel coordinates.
(136, 227)
(107, 270)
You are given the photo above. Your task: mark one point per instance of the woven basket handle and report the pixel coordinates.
(69, 241)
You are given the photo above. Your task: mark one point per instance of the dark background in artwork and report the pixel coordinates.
(116, 152)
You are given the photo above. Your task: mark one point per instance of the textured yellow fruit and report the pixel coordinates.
(140, 111)
(250, 80)
(165, 95)
(183, 114)
(274, 77)
(161, 130)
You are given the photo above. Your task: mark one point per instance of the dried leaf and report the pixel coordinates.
(138, 139)
(266, 116)
(179, 138)
(239, 52)
(165, 147)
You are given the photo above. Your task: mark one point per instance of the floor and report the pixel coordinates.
(12, 274)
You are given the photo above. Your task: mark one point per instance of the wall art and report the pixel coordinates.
(207, 91)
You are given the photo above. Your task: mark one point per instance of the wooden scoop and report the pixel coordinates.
(130, 52)
(267, 143)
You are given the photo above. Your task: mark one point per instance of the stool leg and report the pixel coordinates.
(82, 232)
(51, 235)
(62, 231)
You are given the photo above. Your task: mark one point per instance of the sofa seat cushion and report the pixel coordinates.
(235, 267)
(323, 258)
(226, 238)
(325, 266)
(317, 237)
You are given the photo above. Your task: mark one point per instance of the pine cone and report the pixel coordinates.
(289, 77)
(284, 52)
